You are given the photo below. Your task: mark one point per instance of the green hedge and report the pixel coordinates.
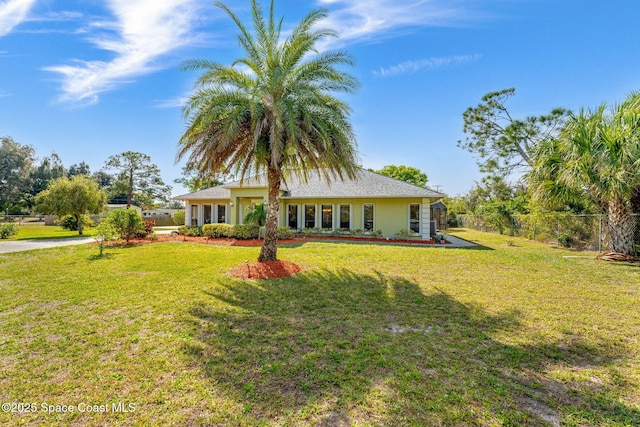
(192, 230)
(246, 231)
(218, 230)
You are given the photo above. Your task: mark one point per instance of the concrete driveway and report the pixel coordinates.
(7, 246)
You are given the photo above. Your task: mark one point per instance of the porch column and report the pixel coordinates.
(187, 214)
(200, 214)
(425, 218)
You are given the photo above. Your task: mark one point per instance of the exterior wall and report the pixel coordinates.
(241, 198)
(390, 215)
(200, 213)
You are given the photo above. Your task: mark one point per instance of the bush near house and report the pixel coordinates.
(190, 230)
(246, 231)
(218, 230)
(178, 218)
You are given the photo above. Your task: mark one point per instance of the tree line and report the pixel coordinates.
(585, 162)
(128, 178)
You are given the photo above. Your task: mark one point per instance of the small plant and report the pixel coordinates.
(152, 236)
(7, 230)
(357, 232)
(105, 232)
(285, 232)
(402, 234)
(565, 240)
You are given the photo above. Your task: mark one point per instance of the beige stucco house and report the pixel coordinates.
(369, 202)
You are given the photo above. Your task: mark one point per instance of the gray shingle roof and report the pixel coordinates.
(218, 192)
(367, 184)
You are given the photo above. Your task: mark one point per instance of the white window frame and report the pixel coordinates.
(298, 222)
(333, 217)
(373, 227)
(419, 217)
(226, 213)
(204, 212)
(339, 220)
(304, 215)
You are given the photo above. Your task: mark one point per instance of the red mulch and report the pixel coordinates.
(204, 240)
(265, 270)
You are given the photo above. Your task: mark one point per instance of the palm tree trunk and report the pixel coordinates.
(621, 232)
(270, 245)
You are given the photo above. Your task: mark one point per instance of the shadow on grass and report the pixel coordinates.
(337, 348)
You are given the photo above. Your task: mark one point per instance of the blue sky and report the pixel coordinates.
(88, 79)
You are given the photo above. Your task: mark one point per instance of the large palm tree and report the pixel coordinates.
(597, 156)
(272, 111)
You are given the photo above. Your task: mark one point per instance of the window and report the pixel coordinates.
(222, 214)
(309, 216)
(207, 214)
(345, 216)
(292, 216)
(367, 216)
(414, 217)
(194, 214)
(327, 216)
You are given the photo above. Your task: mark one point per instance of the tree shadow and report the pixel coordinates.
(337, 348)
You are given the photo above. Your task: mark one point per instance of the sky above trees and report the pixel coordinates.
(87, 79)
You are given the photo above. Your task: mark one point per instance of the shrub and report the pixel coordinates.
(69, 222)
(8, 230)
(246, 231)
(152, 236)
(218, 230)
(190, 230)
(105, 231)
(285, 232)
(565, 240)
(178, 218)
(148, 227)
(127, 222)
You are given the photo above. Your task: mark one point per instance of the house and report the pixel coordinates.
(369, 202)
(160, 213)
(114, 206)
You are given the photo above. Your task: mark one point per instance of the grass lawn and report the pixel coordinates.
(367, 335)
(39, 231)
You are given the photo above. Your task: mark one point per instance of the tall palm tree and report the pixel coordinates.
(597, 156)
(274, 114)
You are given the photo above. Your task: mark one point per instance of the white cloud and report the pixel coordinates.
(12, 13)
(428, 63)
(141, 33)
(357, 20)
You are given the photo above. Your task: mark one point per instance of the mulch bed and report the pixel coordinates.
(222, 241)
(265, 270)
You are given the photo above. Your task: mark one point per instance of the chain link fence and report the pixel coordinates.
(583, 232)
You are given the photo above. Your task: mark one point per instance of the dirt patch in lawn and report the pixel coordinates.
(265, 270)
